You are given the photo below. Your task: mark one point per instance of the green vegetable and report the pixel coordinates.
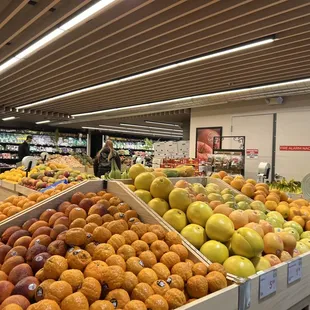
(125, 175)
(115, 172)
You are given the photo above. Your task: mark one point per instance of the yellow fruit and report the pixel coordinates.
(144, 180)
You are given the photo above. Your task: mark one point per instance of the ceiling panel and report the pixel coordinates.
(133, 36)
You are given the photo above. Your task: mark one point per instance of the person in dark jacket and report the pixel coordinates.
(24, 148)
(102, 162)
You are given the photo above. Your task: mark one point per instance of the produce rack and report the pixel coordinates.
(224, 299)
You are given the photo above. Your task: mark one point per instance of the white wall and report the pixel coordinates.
(293, 128)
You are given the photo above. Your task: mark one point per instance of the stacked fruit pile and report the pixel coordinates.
(68, 161)
(93, 252)
(15, 204)
(242, 234)
(13, 175)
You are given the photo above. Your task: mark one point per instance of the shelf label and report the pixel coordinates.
(267, 284)
(294, 270)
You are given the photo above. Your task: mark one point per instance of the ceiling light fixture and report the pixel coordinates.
(75, 21)
(162, 123)
(134, 132)
(9, 118)
(167, 131)
(228, 92)
(151, 127)
(43, 122)
(153, 71)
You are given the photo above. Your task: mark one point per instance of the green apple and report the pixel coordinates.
(260, 263)
(295, 225)
(219, 227)
(176, 218)
(198, 212)
(160, 206)
(239, 266)
(215, 251)
(195, 234)
(247, 242)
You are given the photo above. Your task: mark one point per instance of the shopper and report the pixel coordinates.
(24, 148)
(102, 162)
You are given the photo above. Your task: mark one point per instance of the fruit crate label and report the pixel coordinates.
(294, 271)
(267, 284)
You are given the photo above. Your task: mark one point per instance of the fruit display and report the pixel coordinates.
(93, 252)
(67, 161)
(13, 175)
(83, 158)
(243, 235)
(290, 186)
(15, 204)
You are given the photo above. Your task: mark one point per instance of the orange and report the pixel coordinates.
(148, 258)
(130, 236)
(134, 264)
(139, 228)
(75, 301)
(42, 197)
(183, 270)
(95, 269)
(117, 227)
(298, 219)
(157, 302)
(147, 275)
(180, 250)
(200, 269)
(54, 267)
(149, 238)
(197, 286)
(217, 267)
(175, 281)
(113, 277)
(12, 307)
(172, 237)
(158, 230)
(271, 205)
(57, 291)
(159, 248)
(76, 213)
(142, 291)
(12, 210)
(76, 236)
(44, 305)
(103, 251)
(126, 251)
(216, 281)
(116, 260)
(74, 277)
(175, 298)
(135, 305)
(34, 196)
(284, 210)
(94, 218)
(116, 241)
(101, 234)
(78, 223)
(101, 305)
(160, 287)
(140, 246)
(79, 259)
(91, 289)
(161, 270)
(130, 281)
(118, 297)
(170, 259)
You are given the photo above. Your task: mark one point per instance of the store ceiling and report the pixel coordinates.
(138, 35)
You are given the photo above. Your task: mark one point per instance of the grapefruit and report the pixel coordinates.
(260, 263)
(161, 188)
(215, 251)
(179, 198)
(176, 218)
(144, 180)
(219, 227)
(239, 266)
(135, 170)
(195, 234)
(144, 195)
(198, 212)
(160, 206)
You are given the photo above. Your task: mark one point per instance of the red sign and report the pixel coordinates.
(302, 148)
(251, 153)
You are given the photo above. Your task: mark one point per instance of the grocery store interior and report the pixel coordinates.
(154, 155)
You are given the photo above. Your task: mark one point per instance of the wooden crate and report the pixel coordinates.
(9, 185)
(225, 299)
(24, 190)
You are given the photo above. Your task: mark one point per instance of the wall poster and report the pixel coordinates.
(204, 141)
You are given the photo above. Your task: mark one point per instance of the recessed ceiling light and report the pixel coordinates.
(228, 92)
(9, 118)
(151, 127)
(43, 122)
(150, 72)
(162, 123)
(78, 19)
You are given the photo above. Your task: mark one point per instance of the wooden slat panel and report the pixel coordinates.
(11, 10)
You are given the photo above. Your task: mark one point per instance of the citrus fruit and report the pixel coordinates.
(215, 251)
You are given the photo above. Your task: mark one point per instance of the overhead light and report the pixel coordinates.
(8, 118)
(82, 17)
(228, 92)
(85, 14)
(151, 72)
(167, 131)
(162, 123)
(43, 122)
(150, 127)
(135, 132)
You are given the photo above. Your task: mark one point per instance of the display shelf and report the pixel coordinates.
(9, 185)
(24, 190)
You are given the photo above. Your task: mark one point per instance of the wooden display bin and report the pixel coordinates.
(224, 299)
(9, 185)
(24, 190)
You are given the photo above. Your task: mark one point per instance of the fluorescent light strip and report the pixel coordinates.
(82, 17)
(150, 72)
(43, 122)
(162, 123)
(150, 127)
(228, 92)
(134, 132)
(8, 118)
(143, 130)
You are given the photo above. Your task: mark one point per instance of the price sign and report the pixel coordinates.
(267, 284)
(294, 270)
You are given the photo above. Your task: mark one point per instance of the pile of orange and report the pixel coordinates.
(111, 260)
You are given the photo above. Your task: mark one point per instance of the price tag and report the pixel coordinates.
(294, 270)
(267, 284)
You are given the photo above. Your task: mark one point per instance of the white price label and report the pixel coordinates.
(267, 284)
(294, 270)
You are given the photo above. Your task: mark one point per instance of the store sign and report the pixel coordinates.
(302, 148)
(294, 271)
(251, 153)
(267, 284)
